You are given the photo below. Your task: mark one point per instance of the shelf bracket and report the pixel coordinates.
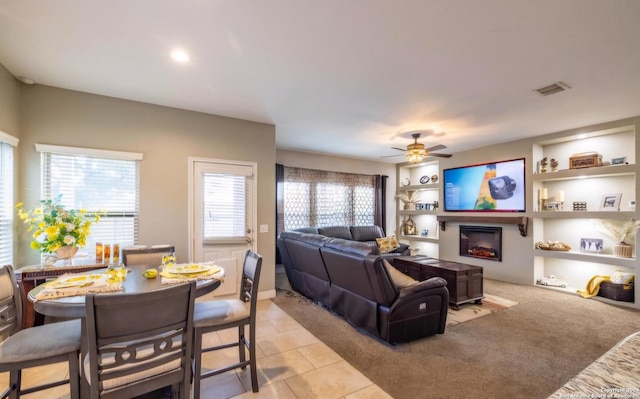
(521, 221)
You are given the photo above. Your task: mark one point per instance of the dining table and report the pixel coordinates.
(135, 282)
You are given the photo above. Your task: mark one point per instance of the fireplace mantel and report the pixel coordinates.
(521, 221)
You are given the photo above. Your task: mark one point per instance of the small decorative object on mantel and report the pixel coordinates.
(409, 227)
(594, 245)
(434, 179)
(424, 179)
(56, 229)
(405, 182)
(580, 205)
(610, 202)
(585, 160)
(554, 165)
(624, 232)
(551, 281)
(619, 161)
(408, 198)
(543, 165)
(553, 245)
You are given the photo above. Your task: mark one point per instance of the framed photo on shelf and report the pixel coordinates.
(610, 202)
(594, 245)
(619, 161)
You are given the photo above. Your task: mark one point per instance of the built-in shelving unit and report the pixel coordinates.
(588, 185)
(409, 177)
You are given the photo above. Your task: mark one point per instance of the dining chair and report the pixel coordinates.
(139, 343)
(35, 346)
(147, 256)
(216, 315)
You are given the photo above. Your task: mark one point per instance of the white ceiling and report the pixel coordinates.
(345, 77)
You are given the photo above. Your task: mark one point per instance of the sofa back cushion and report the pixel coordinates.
(336, 231)
(309, 230)
(366, 233)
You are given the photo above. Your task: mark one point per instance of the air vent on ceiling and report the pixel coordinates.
(552, 89)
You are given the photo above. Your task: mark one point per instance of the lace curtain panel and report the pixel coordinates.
(309, 197)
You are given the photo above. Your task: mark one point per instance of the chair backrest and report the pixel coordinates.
(10, 303)
(138, 343)
(146, 256)
(251, 280)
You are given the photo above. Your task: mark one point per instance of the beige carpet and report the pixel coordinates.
(525, 351)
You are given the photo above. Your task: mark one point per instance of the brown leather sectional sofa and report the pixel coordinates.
(350, 278)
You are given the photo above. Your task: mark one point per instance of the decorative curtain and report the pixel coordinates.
(380, 211)
(309, 197)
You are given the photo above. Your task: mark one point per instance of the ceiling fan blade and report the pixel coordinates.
(399, 149)
(432, 154)
(436, 148)
(390, 156)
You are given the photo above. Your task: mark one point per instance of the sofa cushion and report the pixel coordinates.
(352, 247)
(336, 231)
(366, 233)
(399, 279)
(388, 244)
(308, 230)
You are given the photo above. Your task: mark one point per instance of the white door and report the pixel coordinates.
(222, 216)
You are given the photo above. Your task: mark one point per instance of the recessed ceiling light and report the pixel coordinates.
(180, 56)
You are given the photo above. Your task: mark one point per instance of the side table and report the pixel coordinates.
(28, 277)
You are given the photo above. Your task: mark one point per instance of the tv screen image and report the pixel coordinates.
(489, 187)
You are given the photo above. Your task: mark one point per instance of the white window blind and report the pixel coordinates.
(226, 208)
(96, 183)
(7, 209)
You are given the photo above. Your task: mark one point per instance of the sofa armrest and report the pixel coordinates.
(433, 282)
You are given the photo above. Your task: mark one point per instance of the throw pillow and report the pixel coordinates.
(399, 279)
(387, 244)
(621, 277)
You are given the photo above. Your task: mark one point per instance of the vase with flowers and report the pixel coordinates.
(624, 232)
(409, 198)
(56, 229)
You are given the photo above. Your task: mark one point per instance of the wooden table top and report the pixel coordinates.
(74, 307)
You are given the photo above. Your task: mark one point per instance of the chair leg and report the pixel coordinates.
(252, 358)
(15, 381)
(74, 375)
(241, 350)
(197, 361)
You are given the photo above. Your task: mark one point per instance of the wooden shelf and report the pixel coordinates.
(588, 257)
(419, 238)
(521, 221)
(598, 171)
(585, 215)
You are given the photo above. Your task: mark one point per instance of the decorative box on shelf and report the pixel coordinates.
(617, 292)
(585, 160)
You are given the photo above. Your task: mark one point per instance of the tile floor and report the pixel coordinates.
(292, 363)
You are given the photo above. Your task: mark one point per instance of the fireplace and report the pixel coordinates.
(481, 242)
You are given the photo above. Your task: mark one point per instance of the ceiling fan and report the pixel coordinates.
(415, 151)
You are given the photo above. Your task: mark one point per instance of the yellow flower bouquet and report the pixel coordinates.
(55, 227)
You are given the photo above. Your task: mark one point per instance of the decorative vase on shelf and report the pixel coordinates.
(623, 250)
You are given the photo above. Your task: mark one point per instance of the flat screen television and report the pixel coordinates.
(489, 187)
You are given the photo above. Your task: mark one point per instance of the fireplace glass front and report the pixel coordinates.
(481, 242)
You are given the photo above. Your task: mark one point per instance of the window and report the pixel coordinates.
(7, 210)
(321, 198)
(96, 180)
(225, 205)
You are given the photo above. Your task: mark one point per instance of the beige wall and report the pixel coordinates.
(166, 137)
(10, 117)
(9, 103)
(346, 165)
